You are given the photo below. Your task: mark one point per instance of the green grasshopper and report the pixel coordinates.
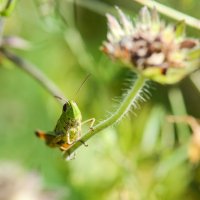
(68, 128)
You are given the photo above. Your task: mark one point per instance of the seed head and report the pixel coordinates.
(158, 51)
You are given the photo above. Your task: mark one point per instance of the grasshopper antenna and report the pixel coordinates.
(65, 100)
(86, 78)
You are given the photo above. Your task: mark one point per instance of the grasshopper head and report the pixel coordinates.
(71, 110)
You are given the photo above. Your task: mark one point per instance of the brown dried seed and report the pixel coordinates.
(188, 44)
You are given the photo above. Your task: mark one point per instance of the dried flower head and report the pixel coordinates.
(158, 51)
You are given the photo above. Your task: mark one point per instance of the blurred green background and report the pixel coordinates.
(142, 157)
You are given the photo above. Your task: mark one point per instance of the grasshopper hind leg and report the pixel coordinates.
(50, 140)
(44, 136)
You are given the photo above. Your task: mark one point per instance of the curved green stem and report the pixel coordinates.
(172, 13)
(131, 97)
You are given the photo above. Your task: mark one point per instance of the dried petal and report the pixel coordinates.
(114, 26)
(145, 16)
(156, 59)
(126, 23)
(155, 16)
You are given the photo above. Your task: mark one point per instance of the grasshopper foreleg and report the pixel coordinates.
(90, 121)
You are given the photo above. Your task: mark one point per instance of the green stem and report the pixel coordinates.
(172, 13)
(124, 107)
(2, 23)
(10, 5)
(33, 71)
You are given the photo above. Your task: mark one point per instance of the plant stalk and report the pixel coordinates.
(33, 71)
(172, 13)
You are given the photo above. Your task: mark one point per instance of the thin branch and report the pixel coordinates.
(7, 10)
(193, 122)
(2, 23)
(130, 99)
(33, 71)
(172, 13)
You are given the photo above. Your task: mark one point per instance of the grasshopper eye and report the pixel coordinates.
(65, 107)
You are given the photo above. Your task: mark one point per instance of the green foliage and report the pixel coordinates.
(141, 157)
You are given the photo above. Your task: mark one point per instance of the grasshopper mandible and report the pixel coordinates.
(68, 128)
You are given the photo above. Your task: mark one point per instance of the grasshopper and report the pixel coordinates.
(68, 128)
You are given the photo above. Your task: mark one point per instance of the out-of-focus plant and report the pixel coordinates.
(144, 158)
(17, 184)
